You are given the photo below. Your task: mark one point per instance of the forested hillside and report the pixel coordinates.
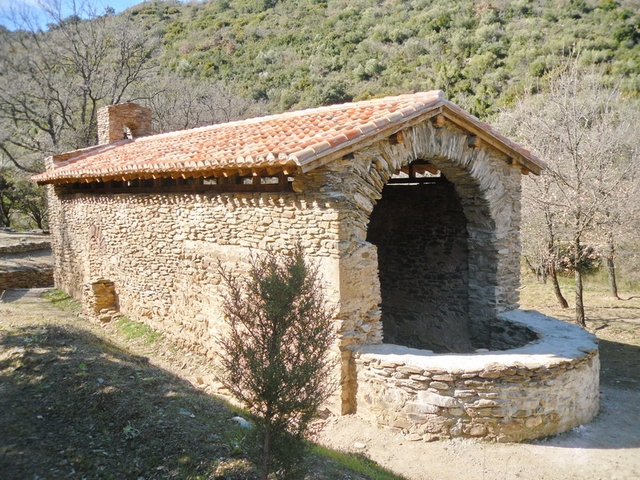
(205, 62)
(304, 53)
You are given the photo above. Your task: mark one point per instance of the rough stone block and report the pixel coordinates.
(430, 398)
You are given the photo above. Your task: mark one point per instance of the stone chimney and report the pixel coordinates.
(124, 120)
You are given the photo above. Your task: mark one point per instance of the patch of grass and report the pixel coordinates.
(63, 301)
(356, 463)
(137, 331)
(599, 280)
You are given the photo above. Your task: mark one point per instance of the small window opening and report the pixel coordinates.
(244, 180)
(272, 180)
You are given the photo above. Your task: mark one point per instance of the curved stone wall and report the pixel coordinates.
(543, 388)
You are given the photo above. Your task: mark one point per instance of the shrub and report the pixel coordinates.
(275, 354)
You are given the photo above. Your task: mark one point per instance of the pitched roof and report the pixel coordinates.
(294, 142)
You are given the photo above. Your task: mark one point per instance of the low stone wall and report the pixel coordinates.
(546, 387)
(31, 278)
(28, 246)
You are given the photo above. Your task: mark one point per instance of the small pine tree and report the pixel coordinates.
(274, 356)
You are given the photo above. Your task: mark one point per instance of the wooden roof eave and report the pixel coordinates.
(466, 122)
(287, 168)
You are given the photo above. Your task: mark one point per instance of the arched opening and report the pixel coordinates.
(420, 230)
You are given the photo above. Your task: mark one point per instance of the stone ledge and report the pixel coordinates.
(558, 342)
(12, 241)
(29, 278)
(25, 247)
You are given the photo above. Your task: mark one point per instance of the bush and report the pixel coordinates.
(275, 354)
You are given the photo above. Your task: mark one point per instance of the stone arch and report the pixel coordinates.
(486, 187)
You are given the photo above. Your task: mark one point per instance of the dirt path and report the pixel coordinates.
(607, 448)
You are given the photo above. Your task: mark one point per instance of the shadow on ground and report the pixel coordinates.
(620, 365)
(16, 294)
(75, 406)
(617, 425)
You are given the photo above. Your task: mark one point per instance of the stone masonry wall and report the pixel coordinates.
(162, 251)
(25, 247)
(99, 300)
(26, 278)
(113, 119)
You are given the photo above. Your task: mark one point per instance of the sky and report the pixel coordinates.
(7, 7)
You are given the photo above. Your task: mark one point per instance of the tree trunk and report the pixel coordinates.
(611, 269)
(5, 219)
(266, 447)
(556, 286)
(613, 285)
(580, 320)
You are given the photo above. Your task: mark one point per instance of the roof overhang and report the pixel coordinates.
(246, 147)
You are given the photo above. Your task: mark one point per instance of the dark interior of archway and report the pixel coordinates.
(421, 235)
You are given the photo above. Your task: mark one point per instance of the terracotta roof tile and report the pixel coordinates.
(294, 139)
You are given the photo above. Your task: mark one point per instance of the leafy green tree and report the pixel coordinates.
(7, 199)
(20, 196)
(275, 355)
(32, 202)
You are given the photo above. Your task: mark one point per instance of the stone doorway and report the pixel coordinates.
(437, 249)
(420, 231)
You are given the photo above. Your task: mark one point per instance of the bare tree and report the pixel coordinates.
(583, 130)
(539, 235)
(54, 81)
(178, 103)
(619, 207)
